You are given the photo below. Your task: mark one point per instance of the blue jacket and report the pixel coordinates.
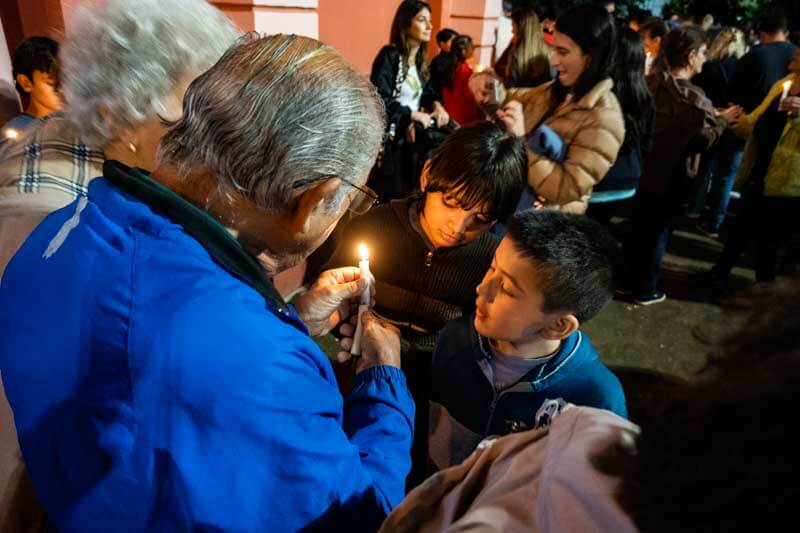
(465, 408)
(160, 383)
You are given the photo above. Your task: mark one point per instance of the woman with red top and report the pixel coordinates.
(458, 99)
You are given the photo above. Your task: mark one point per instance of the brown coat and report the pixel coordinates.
(593, 130)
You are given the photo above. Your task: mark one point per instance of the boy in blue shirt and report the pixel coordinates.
(35, 69)
(491, 371)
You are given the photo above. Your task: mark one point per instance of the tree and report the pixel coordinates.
(736, 11)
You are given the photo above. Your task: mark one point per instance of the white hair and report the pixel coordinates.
(122, 58)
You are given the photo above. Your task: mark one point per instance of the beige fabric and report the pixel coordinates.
(538, 480)
(46, 169)
(593, 130)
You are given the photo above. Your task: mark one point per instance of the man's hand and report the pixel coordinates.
(332, 299)
(380, 342)
(512, 116)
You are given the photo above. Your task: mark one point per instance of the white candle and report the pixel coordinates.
(786, 86)
(363, 266)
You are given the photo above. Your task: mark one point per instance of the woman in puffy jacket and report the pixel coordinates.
(573, 125)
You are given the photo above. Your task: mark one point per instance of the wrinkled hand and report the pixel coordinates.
(440, 115)
(332, 299)
(512, 116)
(380, 342)
(790, 104)
(731, 114)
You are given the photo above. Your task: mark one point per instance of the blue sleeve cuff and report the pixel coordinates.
(381, 373)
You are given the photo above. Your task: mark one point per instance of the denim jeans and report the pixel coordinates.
(652, 224)
(727, 165)
(717, 171)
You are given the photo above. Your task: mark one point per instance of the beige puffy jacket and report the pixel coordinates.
(592, 129)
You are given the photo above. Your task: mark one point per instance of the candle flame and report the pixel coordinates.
(11, 133)
(363, 252)
(787, 85)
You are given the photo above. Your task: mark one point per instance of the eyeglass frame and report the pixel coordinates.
(367, 192)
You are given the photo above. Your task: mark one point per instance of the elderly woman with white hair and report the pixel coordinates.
(125, 65)
(165, 384)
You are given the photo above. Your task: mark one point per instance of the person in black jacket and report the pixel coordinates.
(401, 74)
(762, 66)
(444, 39)
(638, 111)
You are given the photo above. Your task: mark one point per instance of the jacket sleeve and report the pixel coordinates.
(744, 128)
(589, 157)
(430, 95)
(281, 447)
(384, 76)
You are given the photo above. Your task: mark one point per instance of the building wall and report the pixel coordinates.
(356, 28)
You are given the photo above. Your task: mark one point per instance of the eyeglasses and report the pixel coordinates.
(365, 200)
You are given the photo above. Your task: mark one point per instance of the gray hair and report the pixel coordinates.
(124, 57)
(276, 114)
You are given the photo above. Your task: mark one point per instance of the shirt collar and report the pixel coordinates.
(212, 235)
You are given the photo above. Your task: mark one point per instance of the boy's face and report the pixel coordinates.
(447, 223)
(509, 303)
(444, 46)
(42, 89)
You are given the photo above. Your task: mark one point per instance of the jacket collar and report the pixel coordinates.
(589, 100)
(212, 235)
(570, 354)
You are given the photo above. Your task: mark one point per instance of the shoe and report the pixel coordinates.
(654, 298)
(707, 232)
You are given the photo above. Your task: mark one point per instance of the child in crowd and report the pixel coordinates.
(429, 252)
(492, 370)
(35, 69)
(444, 39)
(456, 95)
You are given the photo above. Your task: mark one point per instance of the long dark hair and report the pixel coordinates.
(592, 28)
(401, 26)
(460, 50)
(629, 83)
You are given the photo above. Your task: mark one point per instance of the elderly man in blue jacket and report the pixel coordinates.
(158, 380)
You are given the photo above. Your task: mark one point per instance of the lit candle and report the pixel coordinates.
(786, 86)
(11, 133)
(363, 266)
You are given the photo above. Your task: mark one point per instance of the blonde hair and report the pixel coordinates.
(729, 42)
(530, 59)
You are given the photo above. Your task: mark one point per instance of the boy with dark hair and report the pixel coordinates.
(429, 252)
(35, 70)
(444, 39)
(491, 371)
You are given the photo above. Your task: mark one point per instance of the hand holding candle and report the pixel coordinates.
(363, 266)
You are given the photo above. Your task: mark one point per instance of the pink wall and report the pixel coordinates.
(357, 28)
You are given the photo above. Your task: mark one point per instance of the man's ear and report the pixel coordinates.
(299, 219)
(25, 82)
(425, 177)
(560, 326)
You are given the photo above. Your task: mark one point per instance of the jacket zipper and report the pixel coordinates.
(429, 259)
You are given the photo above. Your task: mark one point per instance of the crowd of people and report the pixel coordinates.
(166, 169)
